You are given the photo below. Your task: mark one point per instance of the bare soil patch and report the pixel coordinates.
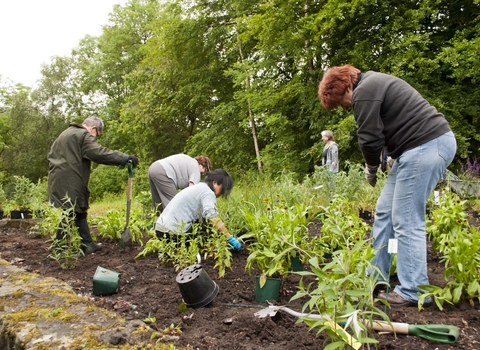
(148, 288)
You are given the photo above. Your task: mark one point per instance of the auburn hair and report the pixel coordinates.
(335, 83)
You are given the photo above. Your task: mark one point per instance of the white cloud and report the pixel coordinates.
(33, 31)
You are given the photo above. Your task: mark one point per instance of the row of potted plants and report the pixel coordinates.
(23, 199)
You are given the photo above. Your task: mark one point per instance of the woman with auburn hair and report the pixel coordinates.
(391, 114)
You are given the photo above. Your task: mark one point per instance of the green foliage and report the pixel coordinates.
(67, 247)
(182, 249)
(276, 235)
(341, 225)
(23, 192)
(342, 292)
(49, 223)
(446, 221)
(112, 224)
(107, 179)
(458, 244)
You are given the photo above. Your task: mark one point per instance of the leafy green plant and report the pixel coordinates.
(458, 244)
(112, 224)
(23, 193)
(342, 292)
(276, 236)
(67, 249)
(214, 245)
(49, 223)
(341, 225)
(462, 267)
(3, 197)
(446, 221)
(182, 249)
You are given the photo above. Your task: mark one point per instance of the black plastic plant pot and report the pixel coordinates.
(196, 286)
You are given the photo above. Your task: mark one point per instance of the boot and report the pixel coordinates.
(84, 231)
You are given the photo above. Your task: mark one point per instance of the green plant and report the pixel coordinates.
(341, 225)
(112, 224)
(179, 249)
(214, 245)
(341, 292)
(23, 192)
(3, 197)
(446, 221)
(67, 248)
(276, 236)
(49, 223)
(462, 267)
(458, 244)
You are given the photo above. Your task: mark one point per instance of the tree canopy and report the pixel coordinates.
(238, 80)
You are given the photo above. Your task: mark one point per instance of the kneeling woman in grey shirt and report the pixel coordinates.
(195, 204)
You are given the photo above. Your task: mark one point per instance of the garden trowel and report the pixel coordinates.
(126, 236)
(434, 332)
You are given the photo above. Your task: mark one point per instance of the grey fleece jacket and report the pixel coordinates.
(390, 112)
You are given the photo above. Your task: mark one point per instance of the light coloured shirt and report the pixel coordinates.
(187, 207)
(182, 169)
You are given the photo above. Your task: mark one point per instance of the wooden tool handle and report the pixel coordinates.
(382, 326)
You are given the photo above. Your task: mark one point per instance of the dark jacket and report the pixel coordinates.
(70, 159)
(389, 112)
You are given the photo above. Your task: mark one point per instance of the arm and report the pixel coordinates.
(219, 225)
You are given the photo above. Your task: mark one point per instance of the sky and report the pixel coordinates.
(33, 31)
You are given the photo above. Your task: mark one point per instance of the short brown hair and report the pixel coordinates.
(335, 83)
(205, 162)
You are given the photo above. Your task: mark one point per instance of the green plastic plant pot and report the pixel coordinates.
(196, 286)
(270, 291)
(297, 264)
(105, 281)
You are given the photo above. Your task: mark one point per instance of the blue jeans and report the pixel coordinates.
(401, 209)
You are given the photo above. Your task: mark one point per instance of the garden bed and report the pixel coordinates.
(149, 289)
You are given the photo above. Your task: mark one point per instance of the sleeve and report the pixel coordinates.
(193, 172)
(92, 150)
(370, 129)
(334, 158)
(209, 205)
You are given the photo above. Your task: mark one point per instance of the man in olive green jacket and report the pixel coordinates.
(70, 159)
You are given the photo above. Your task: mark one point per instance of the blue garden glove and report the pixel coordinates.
(234, 243)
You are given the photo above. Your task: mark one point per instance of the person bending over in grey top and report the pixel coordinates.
(330, 152)
(168, 175)
(391, 114)
(196, 204)
(70, 158)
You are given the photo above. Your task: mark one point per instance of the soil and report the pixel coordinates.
(149, 289)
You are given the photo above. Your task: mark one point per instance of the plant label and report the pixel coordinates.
(392, 245)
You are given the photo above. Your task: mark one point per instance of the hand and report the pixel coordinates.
(134, 160)
(371, 175)
(234, 243)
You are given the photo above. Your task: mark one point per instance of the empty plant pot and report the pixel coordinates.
(196, 286)
(105, 282)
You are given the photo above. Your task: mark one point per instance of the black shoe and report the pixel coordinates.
(92, 247)
(396, 300)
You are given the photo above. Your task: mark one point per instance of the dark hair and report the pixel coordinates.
(335, 83)
(222, 178)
